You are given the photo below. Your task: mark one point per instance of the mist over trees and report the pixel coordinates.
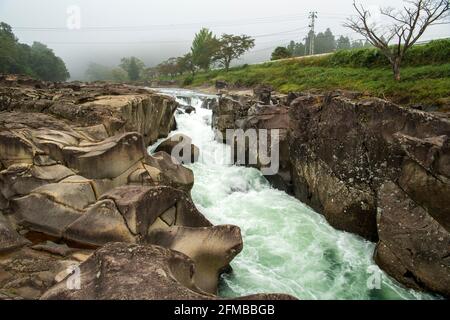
(37, 61)
(324, 42)
(207, 50)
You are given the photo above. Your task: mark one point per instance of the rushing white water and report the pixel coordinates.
(288, 248)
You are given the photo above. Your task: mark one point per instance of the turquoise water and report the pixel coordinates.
(288, 248)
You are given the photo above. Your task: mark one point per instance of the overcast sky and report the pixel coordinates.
(155, 30)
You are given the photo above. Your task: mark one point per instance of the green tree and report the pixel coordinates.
(133, 66)
(324, 42)
(185, 64)
(169, 67)
(343, 43)
(232, 47)
(46, 65)
(119, 75)
(203, 48)
(98, 72)
(36, 61)
(280, 53)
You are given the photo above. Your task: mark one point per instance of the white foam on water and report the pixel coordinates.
(288, 248)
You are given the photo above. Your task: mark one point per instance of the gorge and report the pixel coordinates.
(78, 187)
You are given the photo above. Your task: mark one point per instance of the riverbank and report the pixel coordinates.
(426, 85)
(288, 247)
(81, 196)
(425, 75)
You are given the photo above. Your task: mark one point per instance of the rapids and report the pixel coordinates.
(288, 248)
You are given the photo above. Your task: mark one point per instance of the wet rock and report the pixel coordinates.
(187, 109)
(413, 247)
(209, 103)
(211, 248)
(265, 121)
(180, 147)
(343, 147)
(263, 94)
(168, 171)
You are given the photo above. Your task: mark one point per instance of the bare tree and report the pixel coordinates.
(405, 27)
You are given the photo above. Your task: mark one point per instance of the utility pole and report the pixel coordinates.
(312, 35)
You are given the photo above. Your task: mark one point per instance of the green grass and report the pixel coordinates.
(428, 85)
(425, 74)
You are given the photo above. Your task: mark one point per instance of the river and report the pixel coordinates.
(288, 248)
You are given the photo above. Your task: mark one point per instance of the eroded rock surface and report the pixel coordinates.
(211, 248)
(180, 147)
(349, 157)
(133, 272)
(75, 175)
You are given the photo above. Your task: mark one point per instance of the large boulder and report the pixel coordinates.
(121, 271)
(353, 156)
(146, 208)
(344, 147)
(168, 171)
(107, 159)
(113, 109)
(100, 224)
(180, 147)
(211, 248)
(266, 120)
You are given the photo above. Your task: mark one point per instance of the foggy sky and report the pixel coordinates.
(156, 30)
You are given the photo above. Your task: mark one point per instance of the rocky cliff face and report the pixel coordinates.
(371, 168)
(75, 176)
(244, 112)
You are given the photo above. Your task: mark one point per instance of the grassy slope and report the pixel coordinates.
(425, 75)
(422, 84)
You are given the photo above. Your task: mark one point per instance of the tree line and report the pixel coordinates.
(37, 60)
(207, 50)
(324, 42)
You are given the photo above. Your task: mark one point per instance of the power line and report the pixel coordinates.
(165, 41)
(273, 19)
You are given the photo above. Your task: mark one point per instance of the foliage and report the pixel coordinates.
(134, 67)
(232, 47)
(280, 53)
(37, 61)
(204, 46)
(98, 72)
(46, 65)
(422, 83)
(405, 27)
(434, 52)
